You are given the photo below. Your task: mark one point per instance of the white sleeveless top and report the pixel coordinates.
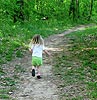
(37, 50)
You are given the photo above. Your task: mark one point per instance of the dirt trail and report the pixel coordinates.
(43, 89)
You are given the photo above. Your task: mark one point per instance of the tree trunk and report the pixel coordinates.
(91, 7)
(72, 9)
(77, 8)
(19, 15)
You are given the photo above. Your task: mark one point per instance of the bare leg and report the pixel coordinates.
(39, 74)
(33, 67)
(38, 69)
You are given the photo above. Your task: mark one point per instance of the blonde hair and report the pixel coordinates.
(37, 39)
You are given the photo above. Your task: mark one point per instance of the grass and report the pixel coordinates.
(3, 96)
(8, 83)
(78, 65)
(14, 39)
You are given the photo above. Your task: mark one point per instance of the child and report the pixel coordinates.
(36, 47)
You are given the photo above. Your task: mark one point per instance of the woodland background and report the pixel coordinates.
(21, 19)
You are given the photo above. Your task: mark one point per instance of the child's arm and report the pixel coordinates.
(47, 52)
(30, 49)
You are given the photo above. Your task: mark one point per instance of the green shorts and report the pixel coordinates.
(36, 61)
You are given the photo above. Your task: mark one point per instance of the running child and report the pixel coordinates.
(36, 47)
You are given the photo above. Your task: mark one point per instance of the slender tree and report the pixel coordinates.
(77, 8)
(72, 9)
(91, 7)
(20, 11)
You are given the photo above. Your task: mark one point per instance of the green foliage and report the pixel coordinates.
(20, 10)
(15, 37)
(4, 96)
(92, 86)
(18, 23)
(8, 82)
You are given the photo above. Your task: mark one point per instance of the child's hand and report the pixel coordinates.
(30, 50)
(47, 52)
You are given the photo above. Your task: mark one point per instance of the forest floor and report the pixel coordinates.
(31, 88)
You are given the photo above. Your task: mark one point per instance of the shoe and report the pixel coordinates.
(33, 72)
(39, 77)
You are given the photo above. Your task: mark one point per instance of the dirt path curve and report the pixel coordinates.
(44, 89)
